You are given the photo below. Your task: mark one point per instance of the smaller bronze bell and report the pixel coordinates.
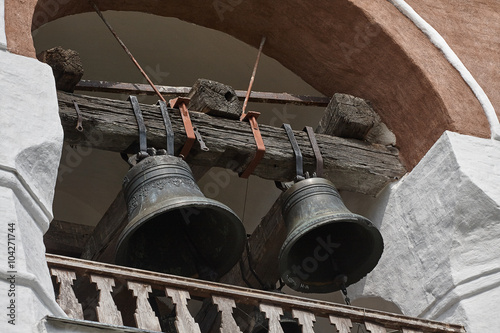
(327, 246)
(173, 228)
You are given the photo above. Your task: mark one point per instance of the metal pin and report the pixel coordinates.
(79, 120)
(197, 134)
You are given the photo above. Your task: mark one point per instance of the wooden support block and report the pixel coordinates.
(215, 99)
(352, 117)
(67, 239)
(66, 66)
(347, 116)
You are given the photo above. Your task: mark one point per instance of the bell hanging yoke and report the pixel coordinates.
(173, 228)
(327, 247)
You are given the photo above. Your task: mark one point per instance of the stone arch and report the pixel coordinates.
(364, 48)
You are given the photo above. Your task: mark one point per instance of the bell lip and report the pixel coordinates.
(137, 222)
(292, 238)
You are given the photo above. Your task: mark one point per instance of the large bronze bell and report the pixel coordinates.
(327, 246)
(173, 228)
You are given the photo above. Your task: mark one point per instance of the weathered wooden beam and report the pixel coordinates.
(352, 165)
(66, 238)
(168, 91)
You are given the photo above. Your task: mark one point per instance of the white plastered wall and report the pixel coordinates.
(31, 139)
(441, 229)
(3, 38)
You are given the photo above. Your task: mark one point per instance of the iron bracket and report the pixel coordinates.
(299, 164)
(299, 167)
(168, 127)
(181, 103)
(197, 134)
(143, 153)
(79, 120)
(316, 151)
(251, 117)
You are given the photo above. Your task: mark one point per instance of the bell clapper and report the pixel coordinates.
(342, 279)
(346, 299)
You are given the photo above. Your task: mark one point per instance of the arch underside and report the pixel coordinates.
(364, 48)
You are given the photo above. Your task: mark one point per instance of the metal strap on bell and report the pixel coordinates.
(327, 246)
(173, 228)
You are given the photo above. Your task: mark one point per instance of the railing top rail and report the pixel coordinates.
(198, 288)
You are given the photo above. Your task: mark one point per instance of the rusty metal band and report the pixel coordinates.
(296, 150)
(180, 102)
(316, 151)
(140, 124)
(168, 127)
(251, 116)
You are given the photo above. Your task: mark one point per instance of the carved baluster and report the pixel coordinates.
(343, 325)
(374, 328)
(273, 313)
(407, 330)
(67, 299)
(306, 319)
(226, 306)
(106, 309)
(144, 315)
(184, 322)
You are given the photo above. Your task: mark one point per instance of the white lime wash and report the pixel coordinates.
(3, 38)
(441, 44)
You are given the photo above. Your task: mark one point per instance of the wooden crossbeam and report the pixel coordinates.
(145, 89)
(66, 238)
(351, 165)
